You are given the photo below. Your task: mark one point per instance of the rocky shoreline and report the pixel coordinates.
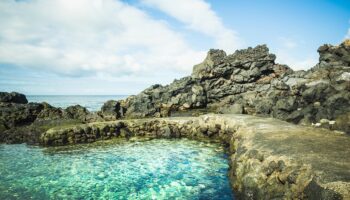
(245, 82)
(269, 158)
(250, 82)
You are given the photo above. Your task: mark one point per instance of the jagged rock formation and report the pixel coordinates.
(111, 110)
(269, 158)
(246, 82)
(13, 97)
(250, 82)
(21, 121)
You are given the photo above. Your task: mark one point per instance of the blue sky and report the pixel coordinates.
(122, 47)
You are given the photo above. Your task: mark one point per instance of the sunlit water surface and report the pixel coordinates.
(118, 169)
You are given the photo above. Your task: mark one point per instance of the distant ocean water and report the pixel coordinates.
(91, 102)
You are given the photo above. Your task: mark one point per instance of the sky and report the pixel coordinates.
(110, 47)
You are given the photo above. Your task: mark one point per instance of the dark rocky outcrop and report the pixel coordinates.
(21, 121)
(77, 112)
(269, 158)
(111, 110)
(250, 82)
(245, 82)
(13, 97)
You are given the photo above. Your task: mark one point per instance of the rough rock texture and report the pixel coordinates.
(250, 82)
(13, 97)
(23, 122)
(111, 110)
(269, 159)
(76, 112)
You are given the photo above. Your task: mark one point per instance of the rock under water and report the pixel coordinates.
(118, 169)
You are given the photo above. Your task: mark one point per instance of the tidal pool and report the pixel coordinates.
(117, 169)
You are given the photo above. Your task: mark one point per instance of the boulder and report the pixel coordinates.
(49, 112)
(23, 122)
(13, 97)
(13, 114)
(77, 112)
(112, 110)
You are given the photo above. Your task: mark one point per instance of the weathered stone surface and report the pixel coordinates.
(13, 97)
(13, 114)
(49, 112)
(269, 158)
(111, 110)
(252, 79)
(76, 112)
(24, 122)
(218, 77)
(214, 58)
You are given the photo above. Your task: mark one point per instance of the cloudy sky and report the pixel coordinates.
(122, 47)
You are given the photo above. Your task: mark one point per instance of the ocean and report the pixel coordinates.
(91, 102)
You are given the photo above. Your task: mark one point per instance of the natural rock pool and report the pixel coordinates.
(117, 169)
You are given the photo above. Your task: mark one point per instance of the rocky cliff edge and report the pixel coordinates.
(250, 82)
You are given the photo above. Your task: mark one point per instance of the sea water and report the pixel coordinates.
(91, 102)
(116, 169)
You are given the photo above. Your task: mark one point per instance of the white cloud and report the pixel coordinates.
(198, 16)
(286, 56)
(80, 36)
(288, 52)
(296, 64)
(288, 43)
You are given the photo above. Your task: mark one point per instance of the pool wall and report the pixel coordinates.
(263, 164)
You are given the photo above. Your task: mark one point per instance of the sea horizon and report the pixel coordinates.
(191, 99)
(91, 102)
(77, 94)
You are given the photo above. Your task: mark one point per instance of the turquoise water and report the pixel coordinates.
(91, 102)
(155, 169)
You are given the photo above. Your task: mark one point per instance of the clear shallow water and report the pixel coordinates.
(156, 169)
(91, 102)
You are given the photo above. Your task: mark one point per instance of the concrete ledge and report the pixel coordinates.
(269, 158)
